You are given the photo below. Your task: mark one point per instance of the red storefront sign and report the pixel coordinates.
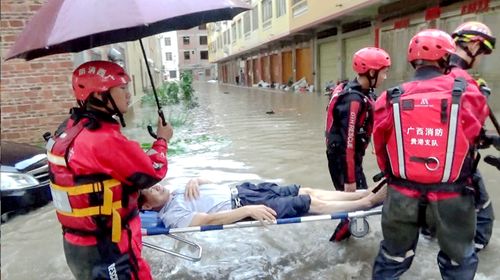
(402, 23)
(477, 6)
(432, 13)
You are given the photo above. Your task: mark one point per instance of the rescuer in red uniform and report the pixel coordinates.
(425, 134)
(474, 40)
(349, 122)
(96, 173)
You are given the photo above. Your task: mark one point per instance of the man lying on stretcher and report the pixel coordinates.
(205, 203)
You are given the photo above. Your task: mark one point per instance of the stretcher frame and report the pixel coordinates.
(152, 225)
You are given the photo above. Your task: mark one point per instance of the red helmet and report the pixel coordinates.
(430, 44)
(473, 31)
(370, 58)
(97, 76)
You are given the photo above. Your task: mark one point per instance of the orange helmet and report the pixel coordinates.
(98, 77)
(474, 31)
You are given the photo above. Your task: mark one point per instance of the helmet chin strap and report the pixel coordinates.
(116, 111)
(372, 80)
(470, 54)
(444, 63)
(106, 96)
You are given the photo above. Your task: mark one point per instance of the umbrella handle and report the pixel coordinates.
(151, 132)
(160, 113)
(163, 122)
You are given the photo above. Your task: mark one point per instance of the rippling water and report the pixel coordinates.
(240, 141)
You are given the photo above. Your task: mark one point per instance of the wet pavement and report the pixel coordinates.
(239, 134)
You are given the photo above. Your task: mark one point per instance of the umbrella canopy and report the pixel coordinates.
(76, 25)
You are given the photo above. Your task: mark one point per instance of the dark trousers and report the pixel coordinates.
(285, 200)
(485, 213)
(87, 263)
(338, 170)
(453, 220)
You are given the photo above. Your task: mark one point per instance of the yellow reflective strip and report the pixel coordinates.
(116, 229)
(77, 190)
(107, 201)
(87, 188)
(90, 211)
(57, 160)
(469, 37)
(111, 183)
(488, 44)
(80, 213)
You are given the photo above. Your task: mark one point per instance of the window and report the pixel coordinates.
(280, 8)
(238, 28)
(168, 56)
(203, 40)
(185, 40)
(203, 27)
(226, 37)
(187, 56)
(172, 74)
(168, 41)
(204, 54)
(267, 13)
(246, 23)
(233, 32)
(255, 18)
(299, 7)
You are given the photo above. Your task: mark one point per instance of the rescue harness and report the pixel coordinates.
(331, 134)
(66, 193)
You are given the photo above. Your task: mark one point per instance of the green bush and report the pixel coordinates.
(176, 119)
(171, 93)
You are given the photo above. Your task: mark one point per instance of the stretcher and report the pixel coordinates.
(152, 225)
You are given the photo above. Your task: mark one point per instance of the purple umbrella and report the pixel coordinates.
(76, 25)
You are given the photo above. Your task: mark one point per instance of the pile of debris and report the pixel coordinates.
(299, 86)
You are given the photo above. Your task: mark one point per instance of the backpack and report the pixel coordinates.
(427, 143)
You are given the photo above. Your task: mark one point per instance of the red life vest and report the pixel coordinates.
(427, 143)
(80, 199)
(365, 122)
(336, 92)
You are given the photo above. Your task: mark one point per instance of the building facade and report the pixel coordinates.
(170, 55)
(282, 41)
(193, 53)
(36, 95)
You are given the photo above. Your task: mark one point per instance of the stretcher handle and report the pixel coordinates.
(195, 258)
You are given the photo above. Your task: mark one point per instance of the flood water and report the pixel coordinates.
(233, 139)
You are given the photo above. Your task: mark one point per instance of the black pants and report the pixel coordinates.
(452, 219)
(485, 213)
(338, 170)
(86, 263)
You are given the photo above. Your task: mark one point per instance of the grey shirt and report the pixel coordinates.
(179, 212)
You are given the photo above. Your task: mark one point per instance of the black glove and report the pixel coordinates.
(488, 140)
(495, 161)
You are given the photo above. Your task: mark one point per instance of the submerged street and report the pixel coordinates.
(244, 134)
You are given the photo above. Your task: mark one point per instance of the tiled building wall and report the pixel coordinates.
(35, 95)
